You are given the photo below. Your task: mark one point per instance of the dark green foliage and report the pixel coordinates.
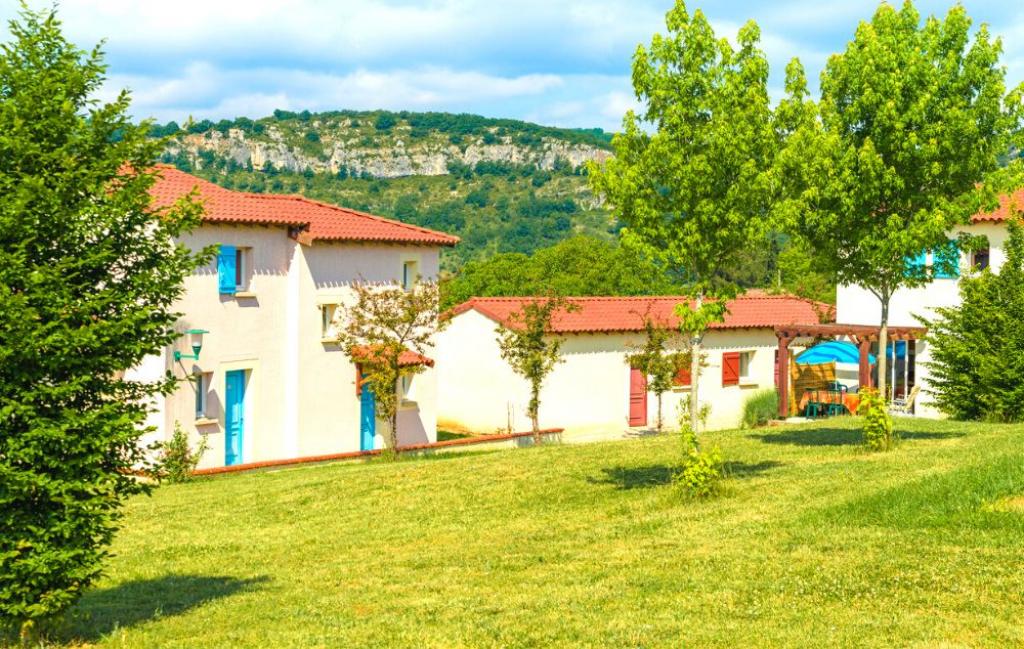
(88, 275)
(385, 122)
(575, 267)
(977, 369)
(760, 408)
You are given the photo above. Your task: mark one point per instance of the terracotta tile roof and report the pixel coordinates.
(324, 222)
(1006, 201)
(751, 310)
(407, 358)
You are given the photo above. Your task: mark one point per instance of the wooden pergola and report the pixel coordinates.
(861, 335)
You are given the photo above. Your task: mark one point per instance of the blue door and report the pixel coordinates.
(234, 420)
(367, 418)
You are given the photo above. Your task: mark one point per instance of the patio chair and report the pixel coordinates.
(905, 406)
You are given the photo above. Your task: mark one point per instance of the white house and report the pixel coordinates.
(594, 389)
(908, 361)
(268, 384)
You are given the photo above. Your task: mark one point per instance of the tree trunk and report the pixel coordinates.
(695, 342)
(535, 412)
(659, 412)
(883, 354)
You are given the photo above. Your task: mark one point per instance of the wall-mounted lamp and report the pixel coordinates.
(196, 338)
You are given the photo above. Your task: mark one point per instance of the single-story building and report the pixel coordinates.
(594, 388)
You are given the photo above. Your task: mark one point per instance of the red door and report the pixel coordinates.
(637, 398)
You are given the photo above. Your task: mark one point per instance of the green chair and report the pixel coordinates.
(813, 410)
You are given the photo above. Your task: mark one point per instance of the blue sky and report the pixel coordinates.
(559, 62)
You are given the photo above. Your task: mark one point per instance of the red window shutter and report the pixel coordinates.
(731, 368)
(682, 377)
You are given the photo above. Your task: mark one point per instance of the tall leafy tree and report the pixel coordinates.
(384, 331)
(88, 276)
(912, 117)
(689, 177)
(578, 266)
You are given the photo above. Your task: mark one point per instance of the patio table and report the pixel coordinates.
(850, 401)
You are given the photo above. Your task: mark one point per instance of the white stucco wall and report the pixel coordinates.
(589, 390)
(855, 305)
(300, 395)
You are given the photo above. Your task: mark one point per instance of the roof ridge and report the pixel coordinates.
(374, 217)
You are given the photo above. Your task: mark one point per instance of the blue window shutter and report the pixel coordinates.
(947, 261)
(226, 270)
(915, 264)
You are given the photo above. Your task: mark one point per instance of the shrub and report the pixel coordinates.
(700, 474)
(177, 460)
(878, 428)
(760, 408)
(977, 371)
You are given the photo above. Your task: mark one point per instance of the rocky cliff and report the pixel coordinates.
(356, 147)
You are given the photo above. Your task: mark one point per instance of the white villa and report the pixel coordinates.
(268, 384)
(594, 389)
(856, 306)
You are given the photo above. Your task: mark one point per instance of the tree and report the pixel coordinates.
(694, 192)
(912, 118)
(89, 273)
(577, 266)
(977, 369)
(387, 331)
(530, 349)
(658, 363)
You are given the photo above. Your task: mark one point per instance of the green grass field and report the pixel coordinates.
(815, 542)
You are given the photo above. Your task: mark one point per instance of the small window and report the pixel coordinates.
(201, 383)
(243, 269)
(328, 330)
(980, 258)
(406, 384)
(410, 274)
(746, 360)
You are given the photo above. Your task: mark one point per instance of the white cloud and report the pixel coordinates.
(205, 91)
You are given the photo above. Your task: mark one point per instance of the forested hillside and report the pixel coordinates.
(508, 188)
(501, 185)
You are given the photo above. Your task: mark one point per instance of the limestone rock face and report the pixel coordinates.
(387, 158)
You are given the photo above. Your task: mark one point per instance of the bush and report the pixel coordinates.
(177, 460)
(700, 474)
(977, 371)
(760, 408)
(878, 428)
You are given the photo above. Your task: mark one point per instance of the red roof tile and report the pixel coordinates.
(407, 358)
(1006, 201)
(324, 222)
(754, 309)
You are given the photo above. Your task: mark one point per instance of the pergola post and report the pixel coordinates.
(783, 376)
(864, 374)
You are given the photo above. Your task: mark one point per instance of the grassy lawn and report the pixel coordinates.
(815, 543)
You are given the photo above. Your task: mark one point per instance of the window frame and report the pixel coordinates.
(975, 265)
(746, 361)
(410, 273)
(201, 384)
(243, 269)
(328, 332)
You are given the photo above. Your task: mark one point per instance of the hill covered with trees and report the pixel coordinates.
(515, 192)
